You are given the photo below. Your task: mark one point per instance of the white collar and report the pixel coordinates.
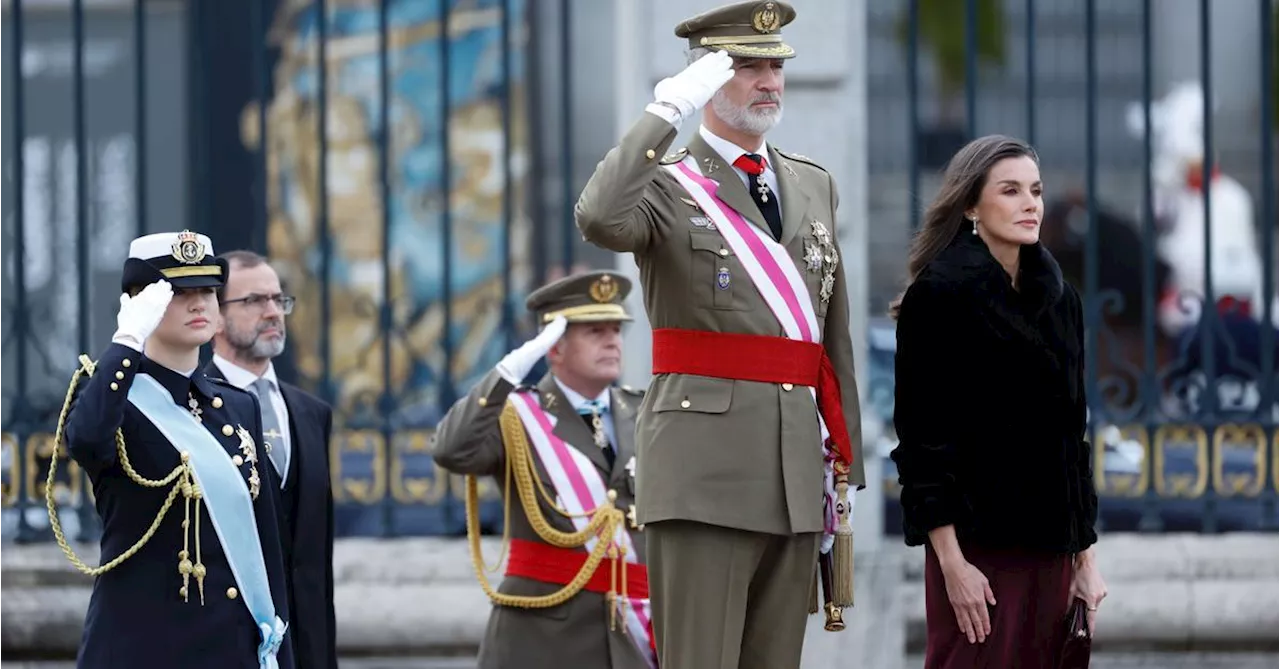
(730, 151)
(576, 399)
(242, 378)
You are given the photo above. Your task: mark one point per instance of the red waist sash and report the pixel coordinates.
(745, 357)
(551, 564)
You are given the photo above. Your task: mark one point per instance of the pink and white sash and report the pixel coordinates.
(579, 490)
(779, 282)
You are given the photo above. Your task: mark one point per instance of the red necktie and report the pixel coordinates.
(754, 164)
(751, 163)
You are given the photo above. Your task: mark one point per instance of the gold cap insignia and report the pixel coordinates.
(188, 249)
(766, 19)
(604, 289)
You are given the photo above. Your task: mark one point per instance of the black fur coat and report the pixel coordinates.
(990, 405)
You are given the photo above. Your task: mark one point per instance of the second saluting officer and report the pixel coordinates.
(192, 574)
(576, 588)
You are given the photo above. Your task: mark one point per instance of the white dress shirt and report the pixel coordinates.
(577, 400)
(242, 379)
(731, 152)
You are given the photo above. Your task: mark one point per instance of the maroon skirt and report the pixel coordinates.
(1027, 622)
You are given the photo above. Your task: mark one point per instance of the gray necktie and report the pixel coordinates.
(271, 426)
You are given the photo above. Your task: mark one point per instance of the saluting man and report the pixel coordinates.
(748, 440)
(575, 592)
(192, 575)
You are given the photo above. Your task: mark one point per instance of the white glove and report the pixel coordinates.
(516, 365)
(694, 87)
(141, 314)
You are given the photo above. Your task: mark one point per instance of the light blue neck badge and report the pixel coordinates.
(226, 499)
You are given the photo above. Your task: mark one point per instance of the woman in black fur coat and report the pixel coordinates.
(996, 476)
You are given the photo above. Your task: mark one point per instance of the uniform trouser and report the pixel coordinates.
(728, 599)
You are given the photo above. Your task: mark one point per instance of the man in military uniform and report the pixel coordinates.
(192, 574)
(748, 440)
(575, 592)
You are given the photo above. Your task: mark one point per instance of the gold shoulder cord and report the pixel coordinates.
(605, 519)
(182, 478)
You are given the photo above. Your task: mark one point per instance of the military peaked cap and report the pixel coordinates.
(587, 297)
(743, 29)
(184, 259)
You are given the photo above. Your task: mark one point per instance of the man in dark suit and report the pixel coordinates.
(296, 430)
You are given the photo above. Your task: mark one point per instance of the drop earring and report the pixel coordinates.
(975, 225)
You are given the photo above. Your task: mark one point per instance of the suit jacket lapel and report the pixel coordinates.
(731, 189)
(302, 434)
(308, 471)
(795, 201)
(624, 431)
(569, 427)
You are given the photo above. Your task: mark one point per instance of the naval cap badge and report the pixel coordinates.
(188, 249)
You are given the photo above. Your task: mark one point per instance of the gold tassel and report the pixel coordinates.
(842, 551)
(612, 597)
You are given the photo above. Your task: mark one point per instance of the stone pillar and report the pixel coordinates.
(632, 90)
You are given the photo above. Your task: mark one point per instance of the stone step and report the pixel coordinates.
(1239, 614)
(419, 596)
(1247, 556)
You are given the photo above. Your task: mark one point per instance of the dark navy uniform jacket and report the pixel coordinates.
(307, 501)
(137, 617)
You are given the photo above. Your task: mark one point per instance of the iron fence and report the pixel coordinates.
(408, 167)
(382, 153)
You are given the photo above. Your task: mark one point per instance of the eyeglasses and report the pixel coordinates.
(259, 302)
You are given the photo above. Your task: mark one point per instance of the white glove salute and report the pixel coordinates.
(694, 87)
(141, 314)
(517, 364)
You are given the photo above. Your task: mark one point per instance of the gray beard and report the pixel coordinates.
(744, 119)
(258, 348)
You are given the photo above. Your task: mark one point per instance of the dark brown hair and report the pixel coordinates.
(238, 258)
(962, 184)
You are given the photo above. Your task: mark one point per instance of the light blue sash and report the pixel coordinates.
(226, 498)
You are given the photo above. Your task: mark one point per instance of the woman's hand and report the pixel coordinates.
(969, 593)
(1087, 585)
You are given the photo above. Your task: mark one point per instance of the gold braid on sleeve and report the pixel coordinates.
(605, 520)
(182, 478)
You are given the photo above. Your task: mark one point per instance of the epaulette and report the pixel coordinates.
(673, 158)
(800, 158)
(630, 390)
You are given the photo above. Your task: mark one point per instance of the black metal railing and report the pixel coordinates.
(371, 150)
(393, 172)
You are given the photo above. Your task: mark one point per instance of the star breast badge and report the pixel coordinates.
(823, 254)
(250, 452)
(812, 255)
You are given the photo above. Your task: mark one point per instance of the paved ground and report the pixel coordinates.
(1164, 661)
(1100, 661)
